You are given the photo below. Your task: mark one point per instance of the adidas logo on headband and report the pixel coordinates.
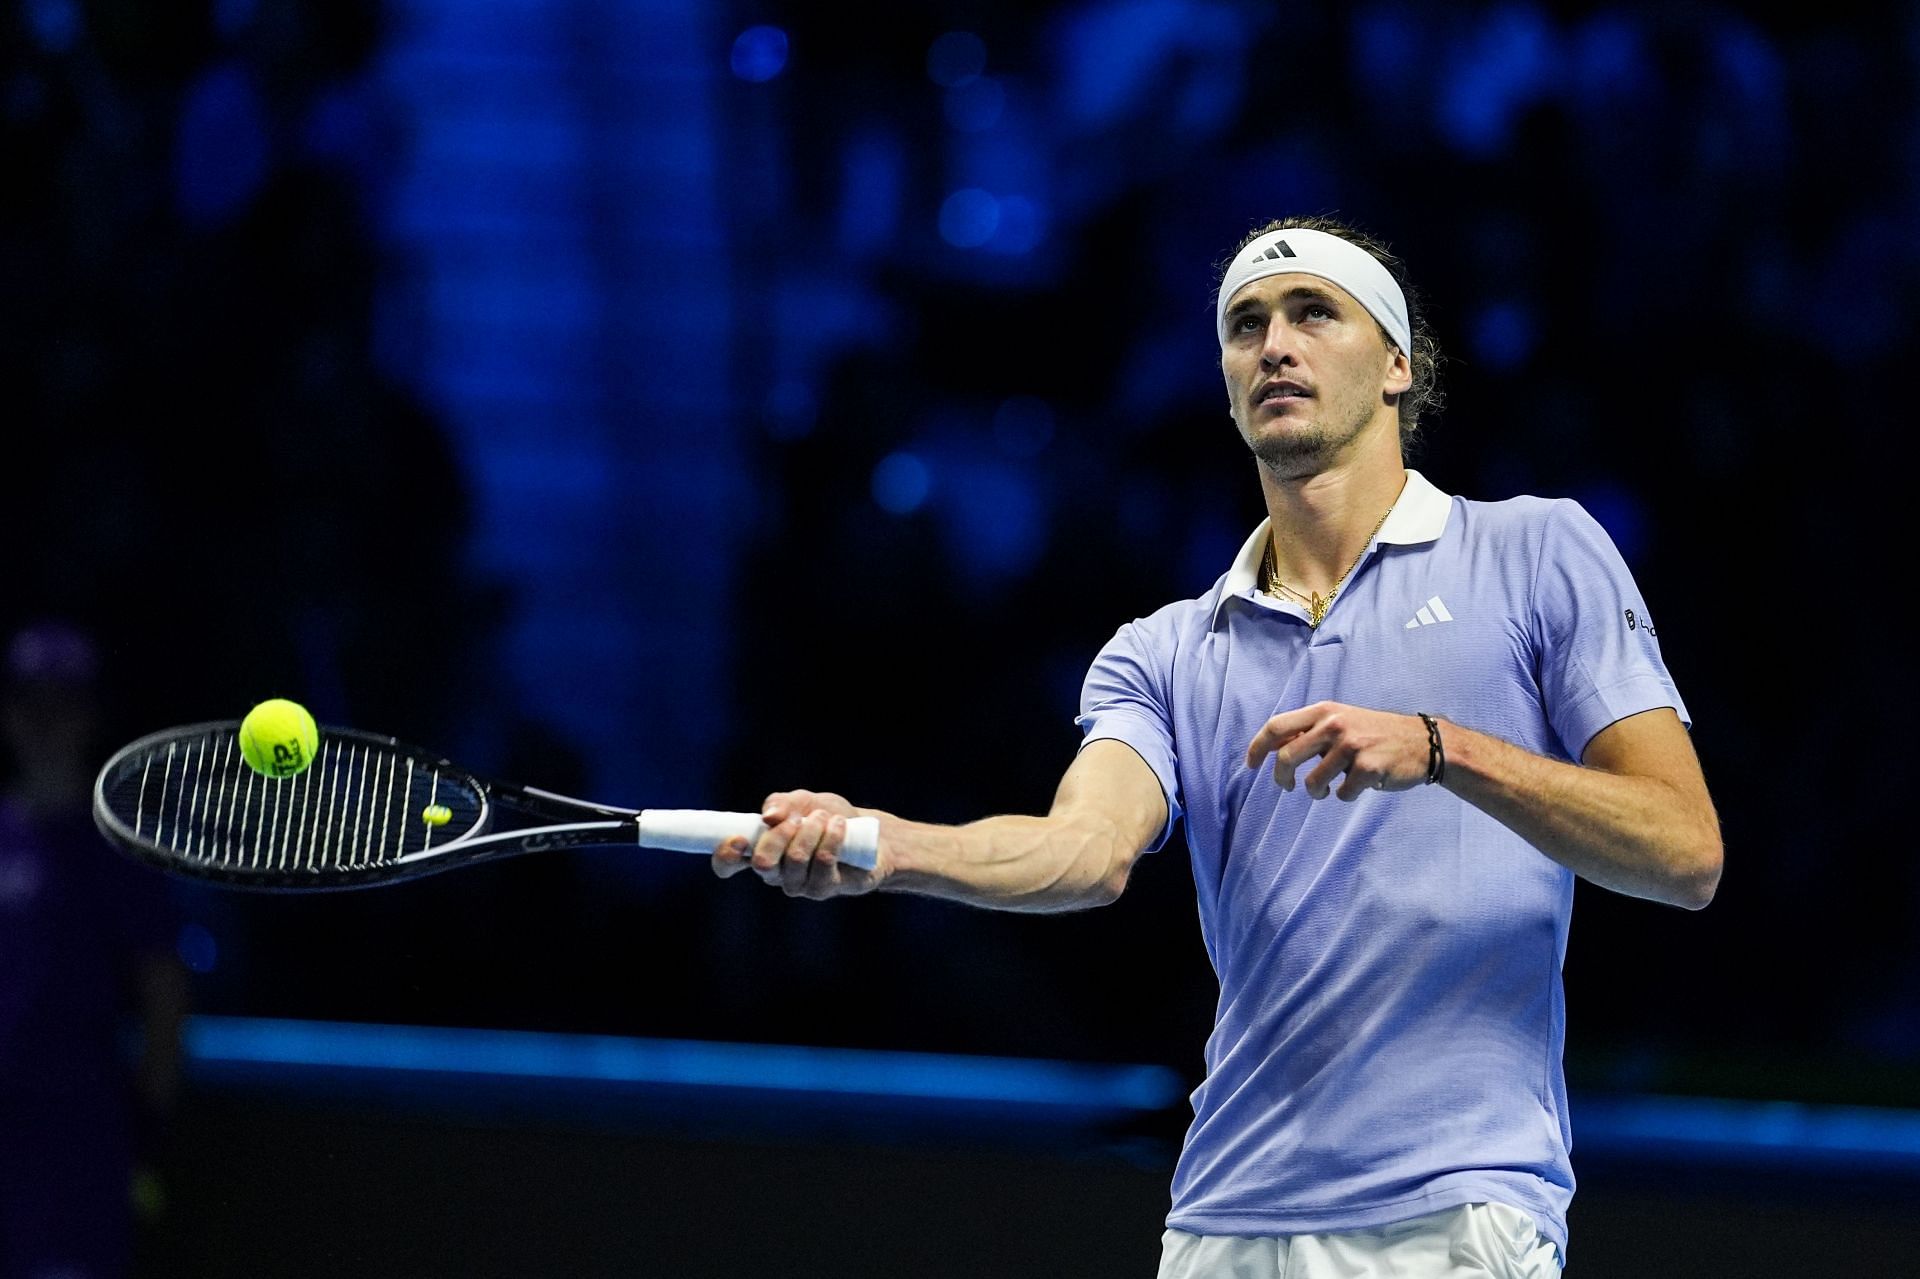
(1304, 251)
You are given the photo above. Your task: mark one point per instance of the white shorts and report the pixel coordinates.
(1472, 1241)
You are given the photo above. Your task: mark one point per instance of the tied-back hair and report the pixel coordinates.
(1424, 396)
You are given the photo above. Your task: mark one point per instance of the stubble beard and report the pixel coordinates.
(1307, 450)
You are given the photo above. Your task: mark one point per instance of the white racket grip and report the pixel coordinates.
(701, 830)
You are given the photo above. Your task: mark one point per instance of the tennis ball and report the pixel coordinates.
(278, 738)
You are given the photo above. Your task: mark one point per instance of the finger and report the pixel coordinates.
(1360, 779)
(1319, 781)
(823, 882)
(770, 849)
(823, 874)
(783, 804)
(1276, 732)
(828, 853)
(797, 862)
(731, 857)
(1288, 759)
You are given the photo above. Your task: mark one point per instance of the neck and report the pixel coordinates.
(1322, 522)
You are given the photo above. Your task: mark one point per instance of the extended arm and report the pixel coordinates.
(1634, 817)
(1108, 808)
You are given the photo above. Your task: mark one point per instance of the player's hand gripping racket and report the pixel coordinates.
(368, 810)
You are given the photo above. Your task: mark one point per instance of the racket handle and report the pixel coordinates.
(699, 830)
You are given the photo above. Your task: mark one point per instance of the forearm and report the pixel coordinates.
(1635, 835)
(1036, 864)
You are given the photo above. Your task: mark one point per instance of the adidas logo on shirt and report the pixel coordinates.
(1432, 613)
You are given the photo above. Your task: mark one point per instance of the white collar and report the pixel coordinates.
(1419, 516)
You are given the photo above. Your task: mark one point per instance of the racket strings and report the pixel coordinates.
(357, 806)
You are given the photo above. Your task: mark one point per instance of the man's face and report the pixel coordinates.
(1307, 370)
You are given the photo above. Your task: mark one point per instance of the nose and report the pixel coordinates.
(1278, 349)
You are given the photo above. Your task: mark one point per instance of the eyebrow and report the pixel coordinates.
(1297, 293)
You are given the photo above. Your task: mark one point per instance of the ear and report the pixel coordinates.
(1399, 372)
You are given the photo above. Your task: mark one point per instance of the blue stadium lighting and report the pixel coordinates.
(901, 483)
(996, 518)
(221, 159)
(956, 58)
(1023, 426)
(760, 54)
(1621, 514)
(1702, 1130)
(975, 106)
(214, 1041)
(54, 24)
(1493, 78)
(196, 948)
(1019, 229)
(968, 218)
(1799, 1134)
(873, 186)
(1503, 334)
(231, 17)
(790, 410)
(1386, 44)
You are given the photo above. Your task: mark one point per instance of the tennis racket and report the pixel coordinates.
(369, 810)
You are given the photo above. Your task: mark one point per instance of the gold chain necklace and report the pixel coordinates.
(1317, 606)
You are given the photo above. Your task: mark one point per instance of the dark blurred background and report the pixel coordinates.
(669, 402)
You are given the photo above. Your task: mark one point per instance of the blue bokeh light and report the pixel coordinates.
(1496, 71)
(1386, 46)
(873, 184)
(994, 515)
(231, 17)
(976, 106)
(196, 948)
(1023, 426)
(1607, 61)
(956, 58)
(1021, 227)
(969, 217)
(1620, 513)
(55, 24)
(222, 156)
(790, 410)
(760, 54)
(901, 483)
(1504, 334)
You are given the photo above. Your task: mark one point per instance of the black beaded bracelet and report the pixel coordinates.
(1436, 756)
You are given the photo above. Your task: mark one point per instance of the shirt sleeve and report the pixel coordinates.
(1599, 655)
(1125, 699)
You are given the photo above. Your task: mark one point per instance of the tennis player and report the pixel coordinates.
(1397, 727)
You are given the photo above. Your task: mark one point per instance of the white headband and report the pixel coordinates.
(1296, 249)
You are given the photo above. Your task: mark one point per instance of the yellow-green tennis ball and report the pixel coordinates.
(278, 738)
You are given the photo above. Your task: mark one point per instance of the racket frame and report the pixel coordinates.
(479, 842)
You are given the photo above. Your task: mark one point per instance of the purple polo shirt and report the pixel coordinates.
(1391, 1020)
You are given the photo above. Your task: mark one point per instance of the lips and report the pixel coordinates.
(1282, 391)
